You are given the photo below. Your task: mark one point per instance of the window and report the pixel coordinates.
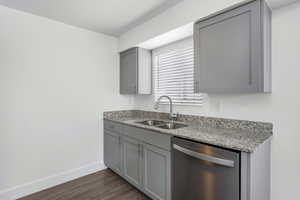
(173, 67)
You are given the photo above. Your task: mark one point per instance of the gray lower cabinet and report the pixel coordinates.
(132, 161)
(157, 172)
(232, 50)
(112, 151)
(141, 157)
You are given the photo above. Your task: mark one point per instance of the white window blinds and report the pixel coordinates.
(174, 73)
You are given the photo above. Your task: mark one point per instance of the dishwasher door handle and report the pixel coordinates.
(205, 157)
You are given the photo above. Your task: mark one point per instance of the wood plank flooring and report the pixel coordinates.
(102, 185)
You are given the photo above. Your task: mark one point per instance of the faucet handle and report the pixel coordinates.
(156, 105)
(174, 116)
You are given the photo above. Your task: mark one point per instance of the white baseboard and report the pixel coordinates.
(50, 181)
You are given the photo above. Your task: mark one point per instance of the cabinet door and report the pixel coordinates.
(132, 161)
(228, 51)
(112, 151)
(129, 71)
(157, 172)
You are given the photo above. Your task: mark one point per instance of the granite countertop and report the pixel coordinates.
(238, 135)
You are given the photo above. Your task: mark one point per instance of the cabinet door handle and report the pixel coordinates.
(141, 150)
(205, 157)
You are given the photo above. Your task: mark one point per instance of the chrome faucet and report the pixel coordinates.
(172, 116)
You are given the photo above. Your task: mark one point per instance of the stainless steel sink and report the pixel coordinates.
(151, 122)
(172, 125)
(162, 124)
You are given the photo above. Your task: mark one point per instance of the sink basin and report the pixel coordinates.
(151, 122)
(171, 125)
(162, 124)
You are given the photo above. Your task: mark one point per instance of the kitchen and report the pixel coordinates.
(77, 101)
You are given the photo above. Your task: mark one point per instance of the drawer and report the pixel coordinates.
(151, 137)
(113, 127)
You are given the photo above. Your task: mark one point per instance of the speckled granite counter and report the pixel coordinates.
(239, 135)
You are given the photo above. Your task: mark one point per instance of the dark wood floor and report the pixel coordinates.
(104, 185)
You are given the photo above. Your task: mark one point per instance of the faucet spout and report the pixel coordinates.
(172, 115)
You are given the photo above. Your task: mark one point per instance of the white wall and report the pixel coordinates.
(181, 14)
(55, 82)
(281, 107)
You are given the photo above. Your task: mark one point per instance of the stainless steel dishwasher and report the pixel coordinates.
(204, 172)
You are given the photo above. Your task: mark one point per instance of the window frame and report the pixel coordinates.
(184, 43)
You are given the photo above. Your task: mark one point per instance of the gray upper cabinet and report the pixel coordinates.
(157, 175)
(232, 50)
(135, 71)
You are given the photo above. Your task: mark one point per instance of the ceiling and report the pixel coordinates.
(112, 17)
